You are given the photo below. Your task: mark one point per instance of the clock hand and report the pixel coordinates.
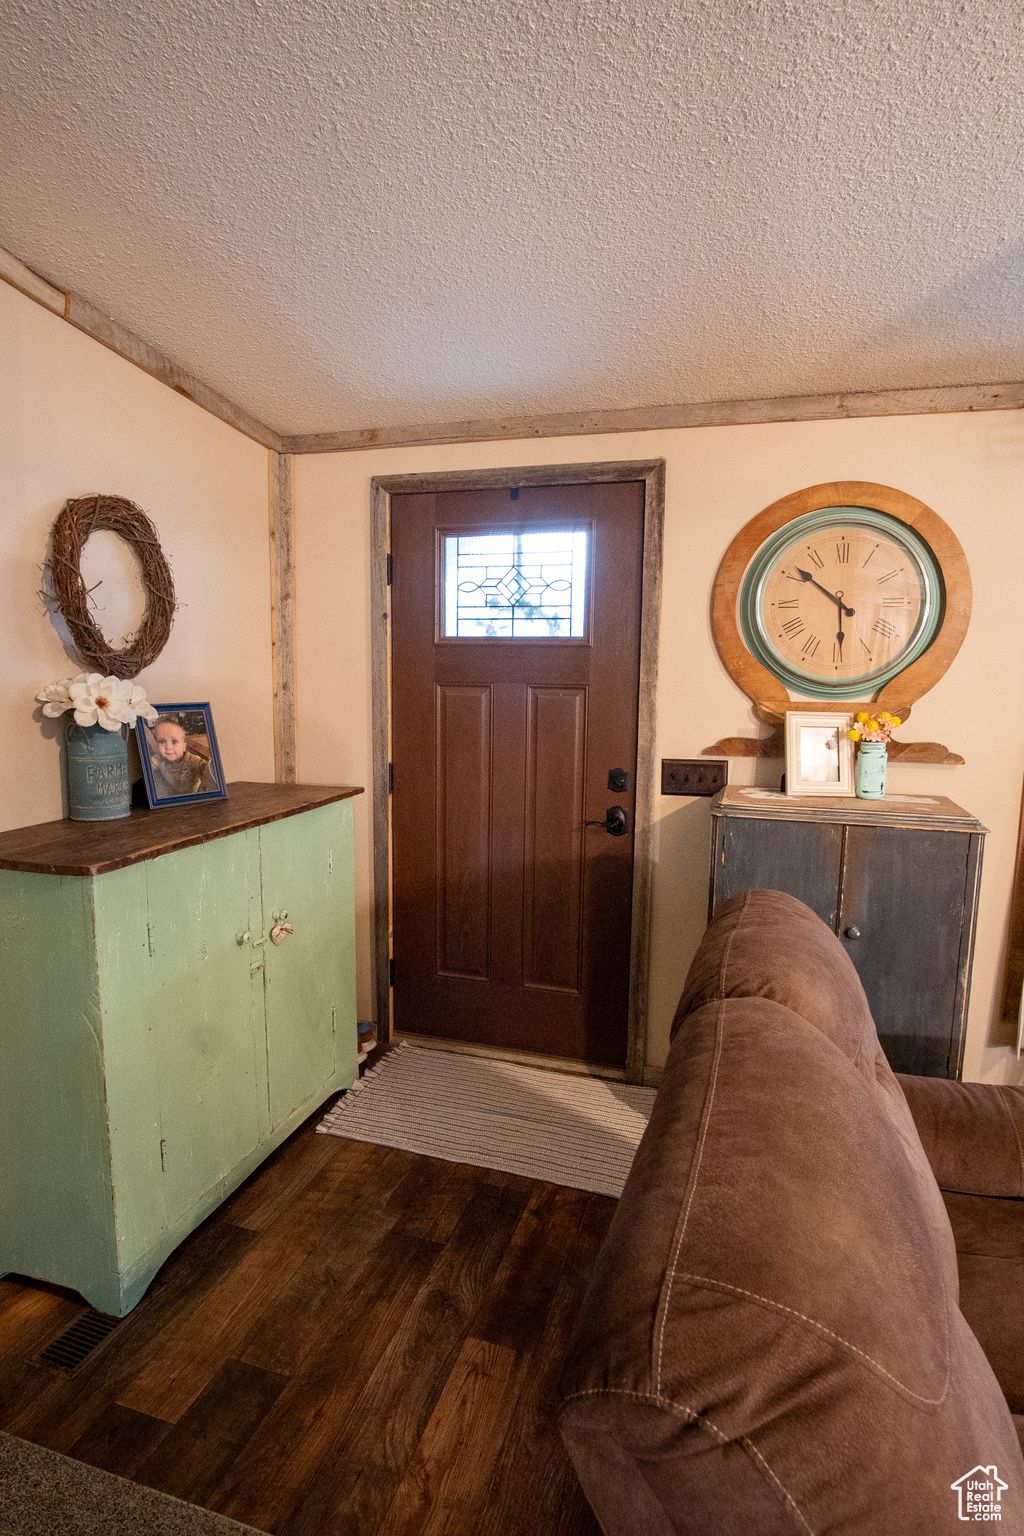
(840, 636)
(806, 576)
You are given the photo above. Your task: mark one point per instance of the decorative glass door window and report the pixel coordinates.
(516, 586)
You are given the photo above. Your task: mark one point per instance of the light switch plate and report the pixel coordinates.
(693, 775)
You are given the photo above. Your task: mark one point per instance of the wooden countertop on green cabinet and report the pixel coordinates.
(155, 1045)
(97, 847)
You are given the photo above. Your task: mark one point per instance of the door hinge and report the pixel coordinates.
(391, 778)
(391, 972)
(391, 568)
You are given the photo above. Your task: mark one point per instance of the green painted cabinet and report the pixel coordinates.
(155, 1044)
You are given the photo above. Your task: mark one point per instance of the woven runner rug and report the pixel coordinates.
(45, 1494)
(579, 1131)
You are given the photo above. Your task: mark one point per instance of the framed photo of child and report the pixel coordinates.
(180, 760)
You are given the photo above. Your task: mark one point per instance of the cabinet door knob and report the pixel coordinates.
(243, 938)
(853, 933)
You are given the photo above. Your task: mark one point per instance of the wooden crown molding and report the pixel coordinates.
(655, 418)
(86, 317)
(648, 418)
(30, 283)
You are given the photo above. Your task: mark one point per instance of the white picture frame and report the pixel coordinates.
(819, 753)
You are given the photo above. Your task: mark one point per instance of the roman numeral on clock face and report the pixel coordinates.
(789, 602)
(842, 554)
(793, 627)
(810, 645)
(888, 576)
(812, 554)
(884, 628)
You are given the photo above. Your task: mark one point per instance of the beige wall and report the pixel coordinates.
(76, 418)
(967, 467)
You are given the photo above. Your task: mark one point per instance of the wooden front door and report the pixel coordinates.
(515, 667)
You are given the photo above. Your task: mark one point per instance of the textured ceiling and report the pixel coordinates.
(350, 215)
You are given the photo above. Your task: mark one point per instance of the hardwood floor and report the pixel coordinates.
(360, 1342)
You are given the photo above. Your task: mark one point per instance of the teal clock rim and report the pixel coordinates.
(929, 619)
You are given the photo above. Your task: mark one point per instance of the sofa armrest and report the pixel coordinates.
(972, 1133)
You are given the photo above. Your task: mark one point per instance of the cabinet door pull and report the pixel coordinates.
(853, 932)
(243, 938)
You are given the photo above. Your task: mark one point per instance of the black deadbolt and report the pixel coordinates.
(618, 780)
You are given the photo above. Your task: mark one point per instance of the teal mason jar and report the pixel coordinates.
(870, 773)
(98, 787)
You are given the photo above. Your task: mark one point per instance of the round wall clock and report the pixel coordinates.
(850, 591)
(840, 600)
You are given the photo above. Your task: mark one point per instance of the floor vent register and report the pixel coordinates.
(71, 1348)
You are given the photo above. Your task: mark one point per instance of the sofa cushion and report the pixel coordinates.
(973, 1133)
(1018, 1424)
(770, 1340)
(989, 1235)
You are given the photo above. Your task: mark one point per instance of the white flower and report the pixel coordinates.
(102, 701)
(96, 700)
(141, 705)
(55, 698)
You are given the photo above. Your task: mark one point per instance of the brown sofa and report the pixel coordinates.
(771, 1341)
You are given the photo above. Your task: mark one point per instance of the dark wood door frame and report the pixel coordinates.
(383, 487)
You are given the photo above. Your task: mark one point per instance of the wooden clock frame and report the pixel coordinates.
(770, 697)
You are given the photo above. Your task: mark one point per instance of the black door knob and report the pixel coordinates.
(615, 821)
(853, 933)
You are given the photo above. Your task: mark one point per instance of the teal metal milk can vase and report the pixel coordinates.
(98, 786)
